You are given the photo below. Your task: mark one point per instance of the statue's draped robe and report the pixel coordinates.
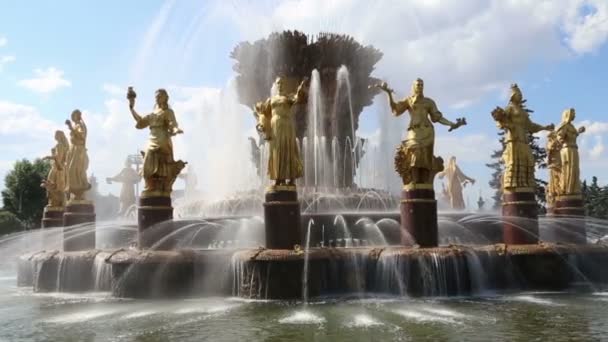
(554, 164)
(518, 158)
(570, 176)
(284, 158)
(455, 177)
(158, 158)
(78, 161)
(420, 138)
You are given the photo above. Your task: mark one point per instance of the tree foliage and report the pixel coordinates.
(23, 195)
(9, 223)
(596, 199)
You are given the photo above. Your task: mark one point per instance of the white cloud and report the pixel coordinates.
(46, 81)
(5, 60)
(597, 149)
(587, 26)
(23, 121)
(113, 89)
(24, 133)
(461, 48)
(594, 127)
(3, 41)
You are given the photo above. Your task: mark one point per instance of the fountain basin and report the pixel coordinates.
(278, 274)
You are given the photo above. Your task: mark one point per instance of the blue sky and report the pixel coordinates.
(57, 56)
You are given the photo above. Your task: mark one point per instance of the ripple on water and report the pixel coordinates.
(363, 321)
(80, 316)
(302, 317)
(444, 312)
(214, 309)
(422, 317)
(533, 300)
(139, 314)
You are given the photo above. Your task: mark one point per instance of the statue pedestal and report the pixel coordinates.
(573, 228)
(78, 238)
(419, 217)
(282, 218)
(150, 212)
(52, 217)
(520, 215)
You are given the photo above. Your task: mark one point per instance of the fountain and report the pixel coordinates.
(314, 233)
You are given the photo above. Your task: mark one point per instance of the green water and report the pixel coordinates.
(25, 316)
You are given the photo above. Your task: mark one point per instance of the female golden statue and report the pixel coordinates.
(275, 120)
(456, 179)
(554, 164)
(415, 160)
(78, 160)
(570, 183)
(519, 162)
(159, 168)
(55, 182)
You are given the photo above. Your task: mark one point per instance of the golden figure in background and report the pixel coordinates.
(55, 182)
(456, 180)
(159, 168)
(519, 162)
(276, 122)
(414, 160)
(570, 183)
(129, 178)
(554, 164)
(77, 160)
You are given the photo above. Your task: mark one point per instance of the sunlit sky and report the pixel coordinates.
(61, 55)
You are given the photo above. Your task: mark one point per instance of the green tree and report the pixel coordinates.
(596, 199)
(498, 167)
(23, 195)
(9, 223)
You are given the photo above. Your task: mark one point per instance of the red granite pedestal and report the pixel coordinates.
(419, 217)
(573, 227)
(78, 238)
(282, 218)
(150, 212)
(520, 214)
(52, 217)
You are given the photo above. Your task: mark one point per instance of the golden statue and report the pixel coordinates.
(159, 168)
(77, 160)
(570, 183)
(518, 159)
(55, 182)
(554, 164)
(129, 178)
(456, 179)
(414, 160)
(276, 122)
